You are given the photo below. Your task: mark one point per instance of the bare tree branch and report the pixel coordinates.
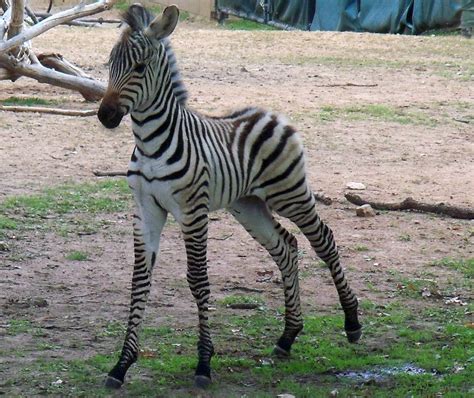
(53, 111)
(99, 173)
(16, 25)
(94, 90)
(411, 204)
(79, 11)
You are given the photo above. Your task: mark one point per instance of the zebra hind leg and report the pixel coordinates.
(146, 246)
(256, 218)
(321, 238)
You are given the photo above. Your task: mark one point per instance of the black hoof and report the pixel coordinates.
(281, 353)
(113, 383)
(353, 335)
(201, 381)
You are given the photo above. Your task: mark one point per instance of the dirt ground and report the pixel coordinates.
(303, 75)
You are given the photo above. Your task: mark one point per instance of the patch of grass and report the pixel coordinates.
(26, 101)
(113, 329)
(241, 299)
(122, 5)
(465, 266)
(54, 204)
(394, 336)
(235, 23)
(414, 287)
(102, 197)
(17, 326)
(77, 255)
(361, 248)
(405, 238)
(379, 112)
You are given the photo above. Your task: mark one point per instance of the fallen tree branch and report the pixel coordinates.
(99, 173)
(347, 85)
(89, 88)
(100, 20)
(82, 10)
(411, 204)
(52, 111)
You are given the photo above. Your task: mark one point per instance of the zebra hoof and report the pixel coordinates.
(113, 383)
(280, 352)
(353, 336)
(201, 381)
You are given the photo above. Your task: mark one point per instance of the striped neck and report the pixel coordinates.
(156, 124)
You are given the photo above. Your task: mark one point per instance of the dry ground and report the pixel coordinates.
(396, 129)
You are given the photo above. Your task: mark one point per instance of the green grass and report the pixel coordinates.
(17, 326)
(241, 299)
(234, 23)
(77, 255)
(465, 266)
(122, 5)
(53, 207)
(26, 101)
(378, 112)
(394, 336)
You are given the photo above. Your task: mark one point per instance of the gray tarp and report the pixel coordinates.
(381, 16)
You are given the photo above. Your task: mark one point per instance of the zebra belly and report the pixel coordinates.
(153, 194)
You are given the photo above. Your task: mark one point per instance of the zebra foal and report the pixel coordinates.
(250, 162)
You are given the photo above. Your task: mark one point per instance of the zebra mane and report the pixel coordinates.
(137, 17)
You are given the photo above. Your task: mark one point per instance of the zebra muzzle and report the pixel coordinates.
(109, 113)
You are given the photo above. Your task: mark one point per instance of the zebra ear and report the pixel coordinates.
(162, 26)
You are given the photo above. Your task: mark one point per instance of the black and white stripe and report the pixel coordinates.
(250, 162)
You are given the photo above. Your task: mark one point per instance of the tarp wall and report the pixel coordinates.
(380, 16)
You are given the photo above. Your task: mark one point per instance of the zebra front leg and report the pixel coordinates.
(255, 217)
(195, 239)
(146, 231)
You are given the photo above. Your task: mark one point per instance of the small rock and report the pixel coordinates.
(365, 211)
(334, 393)
(358, 186)
(285, 396)
(4, 246)
(39, 302)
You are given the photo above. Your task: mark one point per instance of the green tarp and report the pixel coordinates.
(380, 16)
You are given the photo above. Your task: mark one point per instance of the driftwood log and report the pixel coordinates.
(412, 204)
(52, 111)
(17, 58)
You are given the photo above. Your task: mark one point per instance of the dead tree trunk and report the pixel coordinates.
(17, 58)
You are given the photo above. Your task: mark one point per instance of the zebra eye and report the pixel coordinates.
(140, 68)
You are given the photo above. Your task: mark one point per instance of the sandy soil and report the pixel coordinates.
(298, 74)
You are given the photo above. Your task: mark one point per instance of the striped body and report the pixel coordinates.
(186, 164)
(213, 162)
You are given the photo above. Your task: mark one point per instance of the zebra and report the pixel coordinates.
(250, 162)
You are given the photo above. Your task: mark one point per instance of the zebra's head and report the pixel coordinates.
(136, 63)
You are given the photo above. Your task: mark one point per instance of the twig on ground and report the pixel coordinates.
(411, 204)
(99, 173)
(347, 85)
(225, 237)
(53, 111)
(461, 120)
(242, 288)
(243, 306)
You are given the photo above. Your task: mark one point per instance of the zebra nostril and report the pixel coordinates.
(109, 115)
